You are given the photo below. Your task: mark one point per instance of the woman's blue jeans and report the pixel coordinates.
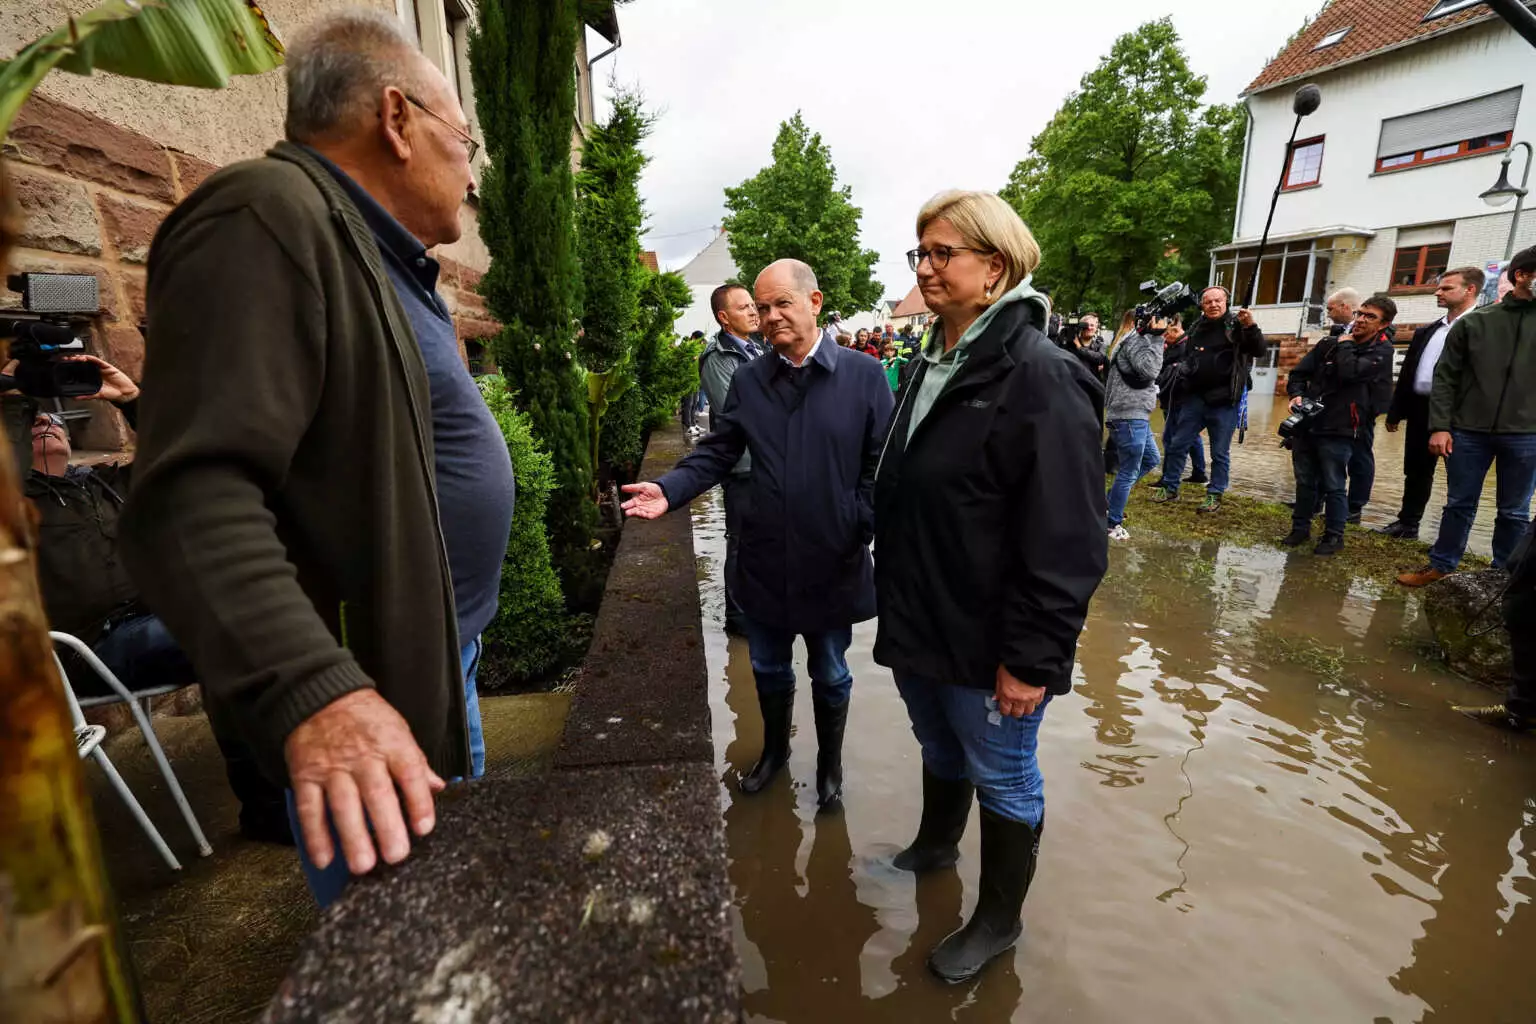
(964, 736)
(1138, 453)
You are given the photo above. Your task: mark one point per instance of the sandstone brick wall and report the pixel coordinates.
(92, 195)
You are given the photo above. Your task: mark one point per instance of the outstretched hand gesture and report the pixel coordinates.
(649, 502)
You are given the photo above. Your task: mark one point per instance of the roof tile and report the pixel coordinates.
(1374, 25)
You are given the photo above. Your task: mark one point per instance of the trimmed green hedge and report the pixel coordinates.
(528, 636)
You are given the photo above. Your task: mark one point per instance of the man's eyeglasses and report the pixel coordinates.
(1367, 314)
(938, 257)
(469, 140)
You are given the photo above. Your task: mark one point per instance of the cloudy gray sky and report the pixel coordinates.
(911, 97)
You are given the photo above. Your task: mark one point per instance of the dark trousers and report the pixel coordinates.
(1320, 464)
(142, 654)
(1520, 620)
(1196, 451)
(734, 487)
(1362, 467)
(1418, 465)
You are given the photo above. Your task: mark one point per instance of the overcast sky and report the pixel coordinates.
(911, 97)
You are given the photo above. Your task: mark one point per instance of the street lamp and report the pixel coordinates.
(1502, 192)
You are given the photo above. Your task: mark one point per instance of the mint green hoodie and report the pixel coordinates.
(942, 365)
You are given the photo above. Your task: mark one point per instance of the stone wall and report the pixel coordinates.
(92, 194)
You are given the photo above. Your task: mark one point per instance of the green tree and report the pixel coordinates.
(662, 368)
(528, 636)
(521, 55)
(793, 208)
(1132, 176)
(609, 217)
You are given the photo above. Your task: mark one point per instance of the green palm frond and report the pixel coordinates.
(178, 42)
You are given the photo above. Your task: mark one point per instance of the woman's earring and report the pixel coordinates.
(989, 292)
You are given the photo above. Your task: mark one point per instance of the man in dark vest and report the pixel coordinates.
(736, 312)
(1212, 378)
(813, 416)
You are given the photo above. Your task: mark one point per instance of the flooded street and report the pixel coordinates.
(1259, 809)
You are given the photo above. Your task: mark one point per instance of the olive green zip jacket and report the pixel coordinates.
(283, 515)
(1485, 380)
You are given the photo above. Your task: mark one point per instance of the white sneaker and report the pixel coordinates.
(1119, 533)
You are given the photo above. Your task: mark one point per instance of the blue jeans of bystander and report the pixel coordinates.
(963, 735)
(1191, 415)
(1319, 464)
(1138, 455)
(1472, 454)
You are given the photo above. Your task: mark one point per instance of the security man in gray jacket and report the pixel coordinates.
(736, 312)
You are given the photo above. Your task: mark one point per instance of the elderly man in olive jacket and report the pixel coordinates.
(813, 416)
(322, 500)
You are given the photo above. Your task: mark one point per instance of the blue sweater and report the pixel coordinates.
(475, 486)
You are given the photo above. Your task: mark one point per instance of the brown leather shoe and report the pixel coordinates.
(1422, 577)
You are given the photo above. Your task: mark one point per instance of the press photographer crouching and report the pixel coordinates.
(87, 591)
(1333, 392)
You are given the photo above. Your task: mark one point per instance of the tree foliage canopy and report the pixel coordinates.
(525, 96)
(1132, 177)
(794, 209)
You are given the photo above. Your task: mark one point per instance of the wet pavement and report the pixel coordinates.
(1260, 809)
(1262, 469)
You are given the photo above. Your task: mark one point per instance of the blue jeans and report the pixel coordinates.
(141, 652)
(1362, 467)
(1319, 464)
(1196, 451)
(1191, 416)
(327, 884)
(1138, 456)
(964, 736)
(772, 652)
(1472, 453)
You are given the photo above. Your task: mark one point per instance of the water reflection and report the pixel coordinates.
(1261, 810)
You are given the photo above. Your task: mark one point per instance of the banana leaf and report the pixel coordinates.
(177, 42)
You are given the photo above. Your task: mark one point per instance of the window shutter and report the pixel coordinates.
(1486, 115)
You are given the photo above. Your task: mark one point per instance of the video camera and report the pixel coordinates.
(1298, 421)
(37, 341)
(1165, 303)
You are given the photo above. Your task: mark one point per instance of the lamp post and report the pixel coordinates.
(1303, 103)
(1502, 192)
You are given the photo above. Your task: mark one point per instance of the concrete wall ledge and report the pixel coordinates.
(595, 893)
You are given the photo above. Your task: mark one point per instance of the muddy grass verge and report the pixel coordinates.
(1249, 521)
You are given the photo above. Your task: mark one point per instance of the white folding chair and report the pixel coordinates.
(138, 705)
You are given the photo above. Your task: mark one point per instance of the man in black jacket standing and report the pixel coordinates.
(1342, 374)
(813, 416)
(1457, 295)
(1210, 386)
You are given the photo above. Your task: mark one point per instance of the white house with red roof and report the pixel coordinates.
(1421, 101)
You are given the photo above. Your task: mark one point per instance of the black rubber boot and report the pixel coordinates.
(1008, 851)
(778, 712)
(831, 720)
(946, 807)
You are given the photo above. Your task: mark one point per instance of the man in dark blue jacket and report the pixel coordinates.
(813, 416)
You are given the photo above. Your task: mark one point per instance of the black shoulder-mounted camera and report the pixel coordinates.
(1165, 303)
(51, 304)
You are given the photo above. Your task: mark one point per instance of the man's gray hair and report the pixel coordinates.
(338, 66)
(804, 277)
(1346, 295)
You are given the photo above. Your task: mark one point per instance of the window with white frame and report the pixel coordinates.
(1293, 273)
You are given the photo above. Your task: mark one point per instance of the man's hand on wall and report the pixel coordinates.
(348, 758)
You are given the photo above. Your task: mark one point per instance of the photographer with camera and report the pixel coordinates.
(87, 591)
(1085, 346)
(1334, 392)
(1134, 361)
(1212, 378)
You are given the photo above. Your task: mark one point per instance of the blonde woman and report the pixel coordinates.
(989, 542)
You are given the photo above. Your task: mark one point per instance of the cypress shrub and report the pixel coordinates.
(530, 632)
(521, 56)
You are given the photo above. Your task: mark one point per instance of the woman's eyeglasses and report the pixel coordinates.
(938, 257)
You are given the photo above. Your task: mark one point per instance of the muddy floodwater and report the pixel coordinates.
(1259, 809)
